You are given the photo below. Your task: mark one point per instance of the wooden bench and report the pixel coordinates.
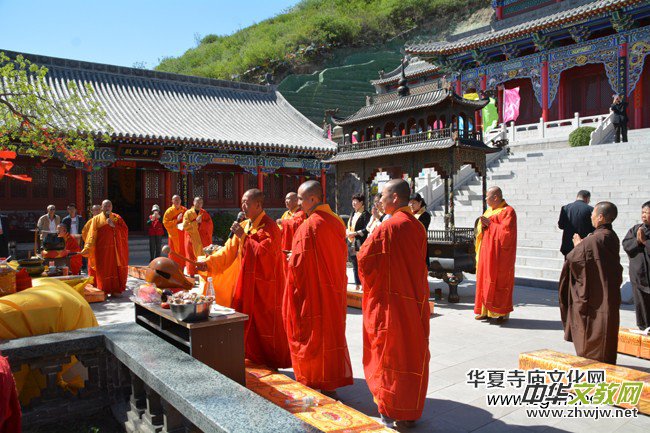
(355, 298)
(328, 415)
(634, 344)
(546, 359)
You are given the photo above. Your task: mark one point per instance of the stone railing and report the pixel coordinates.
(604, 132)
(545, 131)
(148, 385)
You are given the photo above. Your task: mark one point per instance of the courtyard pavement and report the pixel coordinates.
(459, 343)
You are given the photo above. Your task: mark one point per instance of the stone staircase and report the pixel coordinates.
(537, 183)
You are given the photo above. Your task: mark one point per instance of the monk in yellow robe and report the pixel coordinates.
(107, 243)
(496, 251)
(197, 225)
(94, 210)
(172, 217)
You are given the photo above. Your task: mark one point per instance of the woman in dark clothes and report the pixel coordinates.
(619, 109)
(357, 233)
(419, 208)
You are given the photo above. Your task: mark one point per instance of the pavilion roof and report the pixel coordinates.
(569, 16)
(165, 108)
(407, 103)
(415, 67)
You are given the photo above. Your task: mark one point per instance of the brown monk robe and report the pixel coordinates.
(590, 289)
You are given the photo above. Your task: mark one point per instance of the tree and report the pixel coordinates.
(37, 121)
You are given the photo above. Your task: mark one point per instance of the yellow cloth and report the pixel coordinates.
(170, 221)
(191, 226)
(479, 227)
(287, 215)
(224, 265)
(472, 96)
(50, 306)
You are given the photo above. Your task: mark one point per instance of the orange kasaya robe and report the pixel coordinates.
(496, 249)
(197, 235)
(396, 315)
(10, 414)
(108, 248)
(289, 227)
(91, 260)
(315, 304)
(176, 239)
(71, 245)
(259, 292)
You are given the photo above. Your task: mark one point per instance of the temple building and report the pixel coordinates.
(566, 57)
(172, 134)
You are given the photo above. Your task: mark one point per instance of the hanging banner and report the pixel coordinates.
(490, 116)
(511, 101)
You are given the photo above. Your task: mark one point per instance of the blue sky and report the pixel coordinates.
(123, 32)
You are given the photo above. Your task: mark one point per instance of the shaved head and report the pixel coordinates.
(291, 196)
(255, 195)
(107, 207)
(495, 190)
(311, 188)
(399, 187)
(176, 201)
(494, 197)
(608, 211)
(95, 209)
(291, 201)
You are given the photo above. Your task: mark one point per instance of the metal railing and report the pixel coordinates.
(452, 236)
(434, 134)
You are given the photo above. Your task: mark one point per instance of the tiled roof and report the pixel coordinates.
(415, 67)
(163, 107)
(499, 36)
(407, 103)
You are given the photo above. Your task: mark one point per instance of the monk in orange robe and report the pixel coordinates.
(107, 243)
(10, 414)
(496, 250)
(289, 227)
(94, 210)
(291, 202)
(260, 285)
(171, 218)
(197, 225)
(315, 304)
(72, 246)
(396, 309)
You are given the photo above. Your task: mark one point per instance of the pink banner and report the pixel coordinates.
(511, 101)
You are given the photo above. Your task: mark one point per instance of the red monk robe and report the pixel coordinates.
(176, 239)
(109, 249)
(496, 249)
(289, 227)
(259, 293)
(71, 245)
(396, 315)
(10, 415)
(315, 303)
(197, 235)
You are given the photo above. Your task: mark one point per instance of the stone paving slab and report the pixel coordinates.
(459, 343)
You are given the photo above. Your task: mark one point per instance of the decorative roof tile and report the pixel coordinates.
(158, 106)
(415, 67)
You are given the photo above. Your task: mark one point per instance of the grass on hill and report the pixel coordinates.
(309, 32)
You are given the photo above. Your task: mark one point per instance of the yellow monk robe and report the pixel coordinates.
(224, 267)
(197, 235)
(288, 214)
(496, 249)
(91, 259)
(175, 241)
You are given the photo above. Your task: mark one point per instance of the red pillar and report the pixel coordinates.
(323, 182)
(499, 12)
(500, 103)
(168, 187)
(637, 96)
(459, 88)
(80, 196)
(260, 178)
(545, 90)
(239, 190)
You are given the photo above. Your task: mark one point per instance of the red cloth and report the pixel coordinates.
(111, 253)
(23, 280)
(495, 273)
(259, 294)
(72, 246)
(289, 227)
(10, 415)
(396, 315)
(155, 227)
(315, 304)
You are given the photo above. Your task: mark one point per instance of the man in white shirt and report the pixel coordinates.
(74, 222)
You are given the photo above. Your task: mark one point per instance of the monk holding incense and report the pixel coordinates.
(315, 304)
(197, 225)
(496, 250)
(396, 310)
(107, 246)
(590, 289)
(260, 283)
(171, 218)
(72, 246)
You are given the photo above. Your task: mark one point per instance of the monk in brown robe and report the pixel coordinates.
(590, 289)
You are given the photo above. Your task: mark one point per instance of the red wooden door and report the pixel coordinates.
(153, 191)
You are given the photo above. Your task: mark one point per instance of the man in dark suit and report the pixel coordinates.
(4, 235)
(575, 218)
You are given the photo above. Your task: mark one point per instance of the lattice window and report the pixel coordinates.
(17, 188)
(252, 181)
(39, 182)
(213, 185)
(229, 187)
(197, 184)
(60, 185)
(267, 184)
(277, 187)
(97, 180)
(151, 185)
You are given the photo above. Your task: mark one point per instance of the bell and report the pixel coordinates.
(164, 273)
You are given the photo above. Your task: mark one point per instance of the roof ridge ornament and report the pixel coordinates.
(403, 89)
